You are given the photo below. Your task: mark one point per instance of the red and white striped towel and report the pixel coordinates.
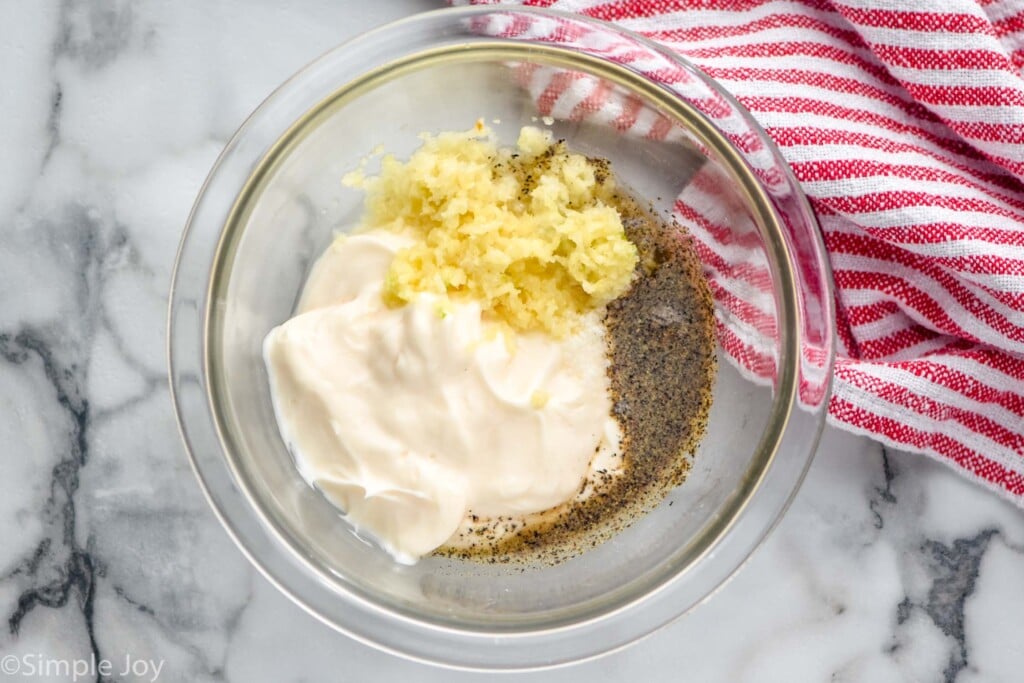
(904, 123)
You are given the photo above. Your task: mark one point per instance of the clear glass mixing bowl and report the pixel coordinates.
(272, 203)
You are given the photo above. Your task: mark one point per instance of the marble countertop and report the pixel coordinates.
(889, 567)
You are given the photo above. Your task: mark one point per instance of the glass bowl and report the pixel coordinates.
(271, 205)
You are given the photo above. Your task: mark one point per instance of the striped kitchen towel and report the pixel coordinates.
(904, 123)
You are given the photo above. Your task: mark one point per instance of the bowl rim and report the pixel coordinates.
(789, 313)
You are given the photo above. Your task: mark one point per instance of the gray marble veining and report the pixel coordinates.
(889, 567)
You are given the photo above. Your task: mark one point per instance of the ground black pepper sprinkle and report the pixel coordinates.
(661, 347)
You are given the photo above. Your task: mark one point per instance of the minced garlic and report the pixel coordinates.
(529, 233)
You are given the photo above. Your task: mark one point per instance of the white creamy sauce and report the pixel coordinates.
(411, 418)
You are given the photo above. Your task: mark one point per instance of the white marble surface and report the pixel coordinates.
(889, 567)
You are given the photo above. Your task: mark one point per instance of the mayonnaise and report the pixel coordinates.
(412, 418)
